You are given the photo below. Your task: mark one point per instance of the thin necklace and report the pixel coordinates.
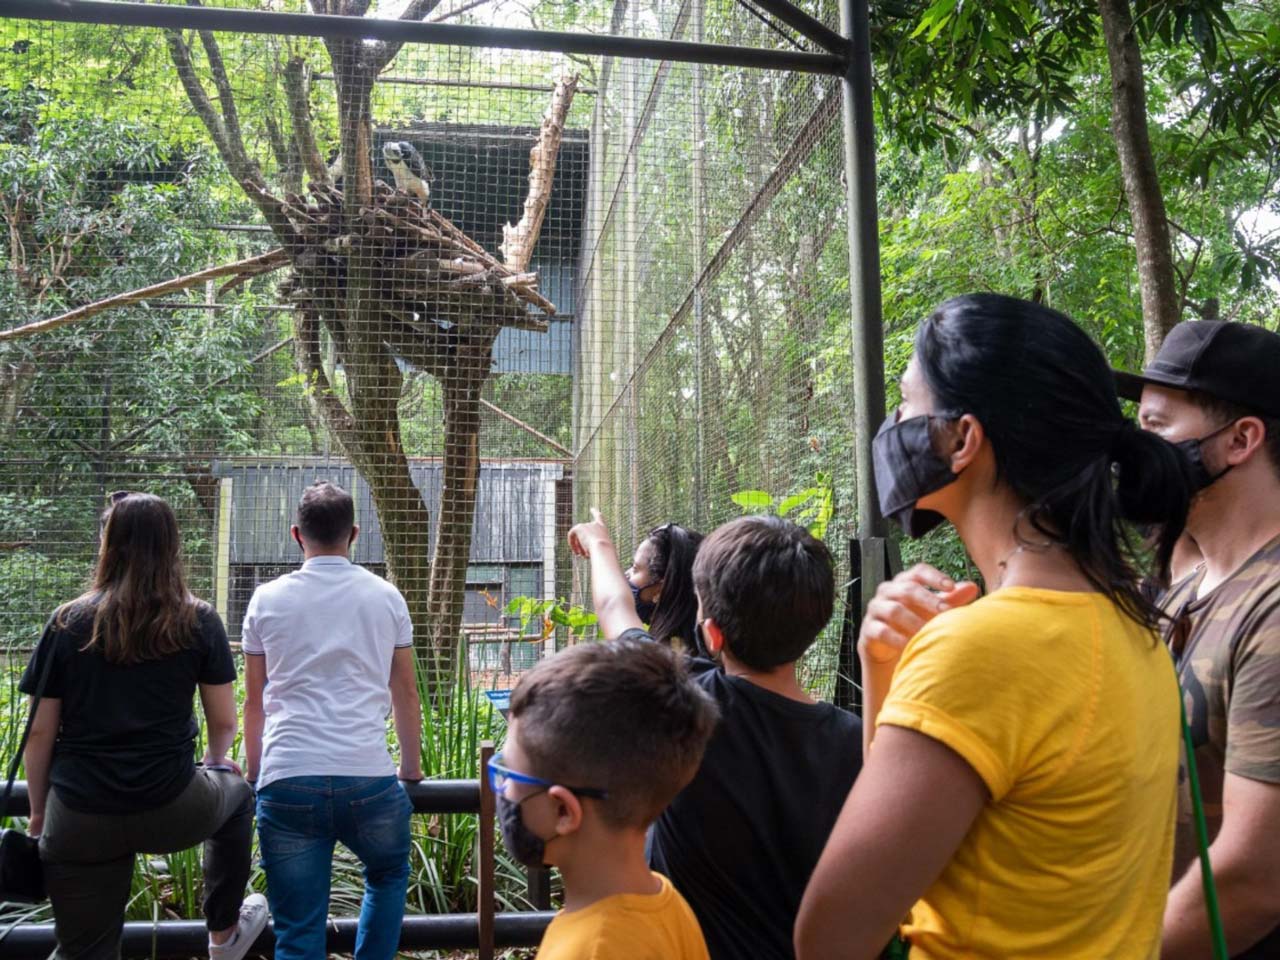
(1022, 548)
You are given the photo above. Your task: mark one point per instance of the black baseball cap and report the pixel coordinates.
(1235, 362)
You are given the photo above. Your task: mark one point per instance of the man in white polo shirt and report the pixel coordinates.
(329, 652)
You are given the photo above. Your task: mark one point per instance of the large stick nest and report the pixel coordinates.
(425, 265)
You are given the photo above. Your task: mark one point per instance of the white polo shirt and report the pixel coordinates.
(328, 632)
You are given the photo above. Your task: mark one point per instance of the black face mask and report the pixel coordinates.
(1193, 450)
(525, 845)
(908, 468)
(644, 608)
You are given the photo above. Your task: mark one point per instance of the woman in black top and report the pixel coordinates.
(661, 580)
(110, 763)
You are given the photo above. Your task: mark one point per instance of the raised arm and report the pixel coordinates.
(37, 757)
(406, 712)
(610, 593)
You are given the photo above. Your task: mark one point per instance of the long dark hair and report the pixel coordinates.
(1046, 399)
(676, 616)
(139, 600)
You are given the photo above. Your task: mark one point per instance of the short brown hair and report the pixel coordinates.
(622, 716)
(1224, 412)
(770, 587)
(326, 514)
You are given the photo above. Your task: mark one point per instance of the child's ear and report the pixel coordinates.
(568, 810)
(712, 636)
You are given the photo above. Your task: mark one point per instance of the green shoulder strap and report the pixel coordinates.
(1202, 841)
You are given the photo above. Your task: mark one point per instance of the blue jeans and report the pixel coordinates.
(299, 819)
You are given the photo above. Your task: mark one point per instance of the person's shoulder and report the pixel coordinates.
(628, 927)
(1256, 584)
(271, 588)
(996, 635)
(843, 722)
(588, 934)
(73, 618)
(387, 593)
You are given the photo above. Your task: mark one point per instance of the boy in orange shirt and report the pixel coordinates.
(602, 736)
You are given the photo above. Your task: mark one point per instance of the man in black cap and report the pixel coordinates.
(1214, 389)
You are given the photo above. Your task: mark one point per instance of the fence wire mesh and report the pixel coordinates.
(485, 290)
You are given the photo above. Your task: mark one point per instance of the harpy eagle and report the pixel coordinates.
(411, 174)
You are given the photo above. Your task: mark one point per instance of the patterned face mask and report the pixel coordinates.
(908, 468)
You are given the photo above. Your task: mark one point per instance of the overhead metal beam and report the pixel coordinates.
(808, 26)
(401, 31)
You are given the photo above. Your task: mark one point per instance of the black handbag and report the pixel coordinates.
(21, 875)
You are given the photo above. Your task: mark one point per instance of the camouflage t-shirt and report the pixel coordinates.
(1228, 653)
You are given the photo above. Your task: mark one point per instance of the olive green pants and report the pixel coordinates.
(88, 859)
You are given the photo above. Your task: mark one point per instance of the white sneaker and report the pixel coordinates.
(253, 920)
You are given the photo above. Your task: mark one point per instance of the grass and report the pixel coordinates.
(442, 877)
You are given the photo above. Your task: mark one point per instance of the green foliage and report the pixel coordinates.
(811, 507)
(549, 614)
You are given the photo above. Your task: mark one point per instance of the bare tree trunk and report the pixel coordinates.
(1161, 309)
(459, 484)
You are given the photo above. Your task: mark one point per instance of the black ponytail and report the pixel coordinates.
(1046, 399)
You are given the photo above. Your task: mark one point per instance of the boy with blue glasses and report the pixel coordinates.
(741, 839)
(601, 737)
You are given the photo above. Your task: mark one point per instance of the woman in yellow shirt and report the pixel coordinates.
(1020, 798)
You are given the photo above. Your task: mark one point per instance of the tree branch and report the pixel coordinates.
(457, 11)
(263, 263)
(297, 87)
(286, 154)
(230, 147)
(512, 419)
(221, 83)
(518, 241)
(306, 344)
(980, 138)
(379, 55)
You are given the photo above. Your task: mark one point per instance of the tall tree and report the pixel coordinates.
(954, 69)
(371, 271)
(1161, 306)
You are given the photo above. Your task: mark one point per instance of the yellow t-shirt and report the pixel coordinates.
(630, 926)
(1068, 711)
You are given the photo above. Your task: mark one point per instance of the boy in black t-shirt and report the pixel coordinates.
(741, 840)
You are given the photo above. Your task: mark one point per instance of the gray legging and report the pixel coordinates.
(88, 859)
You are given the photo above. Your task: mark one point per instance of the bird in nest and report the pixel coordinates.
(410, 173)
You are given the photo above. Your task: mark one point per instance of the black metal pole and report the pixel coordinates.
(864, 262)
(402, 31)
(808, 26)
(427, 796)
(180, 939)
(875, 552)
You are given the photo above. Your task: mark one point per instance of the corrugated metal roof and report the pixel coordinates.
(509, 522)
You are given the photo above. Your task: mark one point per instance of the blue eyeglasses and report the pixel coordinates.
(499, 776)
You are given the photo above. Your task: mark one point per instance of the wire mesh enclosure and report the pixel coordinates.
(484, 289)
